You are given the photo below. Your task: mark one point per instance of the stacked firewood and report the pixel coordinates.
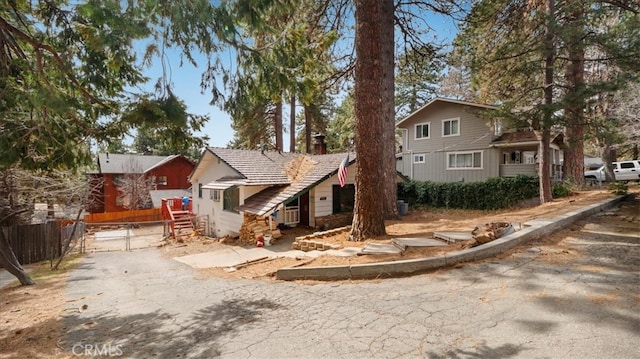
(308, 242)
(256, 226)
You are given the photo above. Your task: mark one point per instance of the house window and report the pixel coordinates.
(162, 180)
(231, 199)
(418, 158)
(214, 195)
(199, 190)
(464, 160)
(513, 157)
(451, 127)
(497, 127)
(529, 157)
(422, 130)
(343, 198)
(292, 212)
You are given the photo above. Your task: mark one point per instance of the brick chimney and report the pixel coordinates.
(319, 146)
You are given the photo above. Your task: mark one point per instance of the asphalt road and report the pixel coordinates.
(580, 299)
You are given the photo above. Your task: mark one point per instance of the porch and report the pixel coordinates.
(523, 160)
(512, 170)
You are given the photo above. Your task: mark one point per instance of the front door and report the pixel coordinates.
(304, 209)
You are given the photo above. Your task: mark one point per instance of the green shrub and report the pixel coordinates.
(495, 193)
(618, 188)
(561, 189)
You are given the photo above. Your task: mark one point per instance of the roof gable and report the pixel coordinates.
(130, 163)
(447, 101)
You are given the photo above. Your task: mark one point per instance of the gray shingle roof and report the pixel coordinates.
(129, 163)
(524, 135)
(258, 168)
(319, 167)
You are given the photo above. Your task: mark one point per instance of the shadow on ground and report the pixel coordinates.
(482, 351)
(161, 334)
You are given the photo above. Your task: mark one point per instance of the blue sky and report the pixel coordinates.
(186, 85)
(185, 81)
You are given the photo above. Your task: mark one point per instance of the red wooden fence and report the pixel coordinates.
(141, 215)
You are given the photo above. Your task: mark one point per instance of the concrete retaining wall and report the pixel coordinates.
(533, 230)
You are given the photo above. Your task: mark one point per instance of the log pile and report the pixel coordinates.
(255, 226)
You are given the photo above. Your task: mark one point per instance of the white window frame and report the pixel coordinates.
(465, 153)
(419, 155)
(529, 157)
(497, 127)
(214, 194)
(451, 120)
(415, 128)
(228, 204)
(162, 180)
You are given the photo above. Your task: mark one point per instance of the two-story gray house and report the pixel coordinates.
(452, 141)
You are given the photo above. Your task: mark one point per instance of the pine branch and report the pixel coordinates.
(40, 47)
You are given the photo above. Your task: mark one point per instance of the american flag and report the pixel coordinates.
(342, 171)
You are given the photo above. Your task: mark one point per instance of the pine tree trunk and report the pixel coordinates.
(544, 170)
(544, 158)
(574, 110)
(278, 126)
(607, 159)
(388, 93)
(292, 125)
(308, 123)
(10, 262)
(574, 154)
(368, 216)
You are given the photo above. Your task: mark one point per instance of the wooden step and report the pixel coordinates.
(183, 227)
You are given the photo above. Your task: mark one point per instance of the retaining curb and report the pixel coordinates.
(534, 230)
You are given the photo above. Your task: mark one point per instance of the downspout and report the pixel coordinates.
(410, 152)
(411, 164)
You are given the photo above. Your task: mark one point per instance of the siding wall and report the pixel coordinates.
(435, 168)
(221, 222)
(475, 135)
(512, 170)
(177, 173)
(110, 194)
(324, 207)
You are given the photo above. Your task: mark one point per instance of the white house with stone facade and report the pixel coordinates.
(293, 189)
